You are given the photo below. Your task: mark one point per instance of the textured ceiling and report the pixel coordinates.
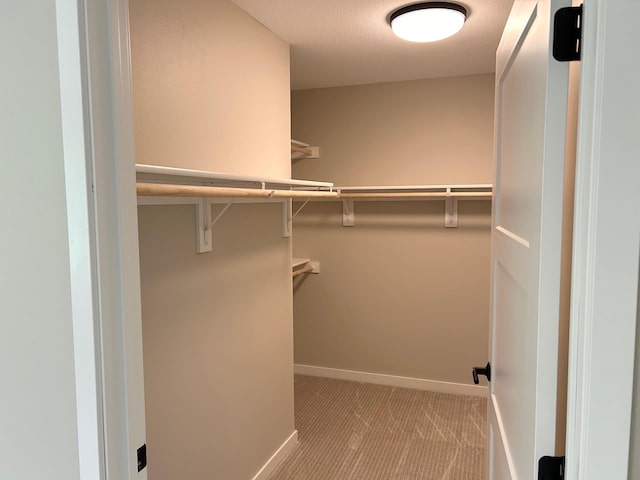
(349, 42)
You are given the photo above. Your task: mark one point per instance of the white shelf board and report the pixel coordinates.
(155, 172)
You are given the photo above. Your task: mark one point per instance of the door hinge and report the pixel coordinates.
(551, 468)
(142, 457)
(567, 34)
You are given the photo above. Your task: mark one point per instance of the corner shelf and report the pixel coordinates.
(300, 150)
(301, 266)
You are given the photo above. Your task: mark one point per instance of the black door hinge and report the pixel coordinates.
(551, 468)
(567, 34)
(142, 457)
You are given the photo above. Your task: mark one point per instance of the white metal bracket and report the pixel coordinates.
(348, 213)
(451, 212)
(204, 237)
(287, 217)
(204, 224)
(218, 217)
(300, 209)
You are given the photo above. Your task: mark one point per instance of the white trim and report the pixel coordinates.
(123, 199)
(82, 234)
(392, 380)
(496, 416)
(278, 457)
(110, 127)
(606, 237)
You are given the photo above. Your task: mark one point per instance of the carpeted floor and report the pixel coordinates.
(359, 431)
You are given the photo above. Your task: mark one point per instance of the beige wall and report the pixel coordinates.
(398, 293)
(425, 131)
(217, 342)
(211, 91)
(211, 88)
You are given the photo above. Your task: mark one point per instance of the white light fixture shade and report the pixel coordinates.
(428, 22)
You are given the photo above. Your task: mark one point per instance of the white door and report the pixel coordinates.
(531, 105)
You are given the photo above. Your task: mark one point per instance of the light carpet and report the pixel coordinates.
(359, 431)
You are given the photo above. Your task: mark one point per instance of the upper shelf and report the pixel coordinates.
(185, 176)
(157, 181)
(300, 150)
(381, 192)
(163, 182)
(181, 182)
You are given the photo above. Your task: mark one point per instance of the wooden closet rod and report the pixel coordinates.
(414, 195)
(303, 151)
(300, 271)
(163, 189)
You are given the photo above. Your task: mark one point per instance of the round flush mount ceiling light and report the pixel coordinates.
(428, 21)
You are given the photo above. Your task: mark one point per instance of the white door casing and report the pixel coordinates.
(607, 195)
(604, 292)
(97, 119)
(530, 126)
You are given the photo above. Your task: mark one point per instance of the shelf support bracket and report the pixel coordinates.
(287, 217)
(348, 213)
(204, 237)
(451, 212)
(204, 224)
(215, 220)
(300, 209)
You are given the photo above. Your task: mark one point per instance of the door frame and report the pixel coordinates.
(606, 228)
(606, 245)
(97, 115)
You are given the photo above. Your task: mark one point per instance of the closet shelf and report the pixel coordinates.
(299, 262)
(174, 190)
(471, 191)
(450, 193)
(158, 185)
(300, 150)
(300, 266)
(302, 271)
(153, 180)
(184, 176)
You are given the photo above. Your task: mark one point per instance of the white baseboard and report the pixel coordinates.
(278, 457)
(393, 380)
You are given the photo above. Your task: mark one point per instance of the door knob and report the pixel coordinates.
(486, 371)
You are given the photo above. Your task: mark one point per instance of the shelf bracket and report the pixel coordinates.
(215, 220)
(300, 209)
(451, 212)
(287, 217)
(204, 224)
(204, 237)
(348, 213)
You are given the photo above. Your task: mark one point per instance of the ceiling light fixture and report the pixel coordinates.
(428, 21)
